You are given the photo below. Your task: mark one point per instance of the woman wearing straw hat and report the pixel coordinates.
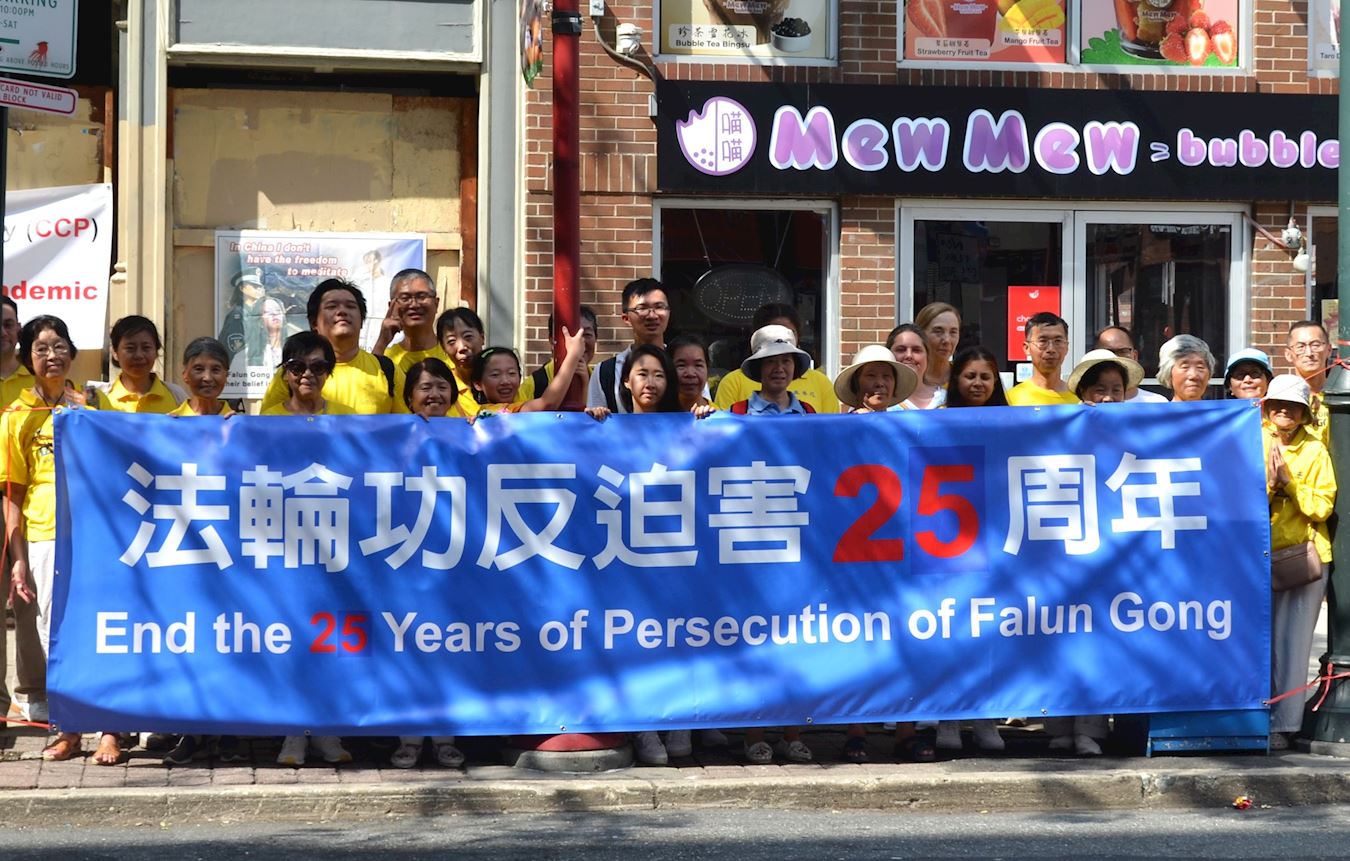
(1301, 488)
(875, 381)
(1102, 377)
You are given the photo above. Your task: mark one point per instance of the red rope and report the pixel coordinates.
(1323, 680)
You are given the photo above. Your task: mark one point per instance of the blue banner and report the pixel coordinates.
(537, 572)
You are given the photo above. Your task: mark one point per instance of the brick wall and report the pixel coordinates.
(619, 164)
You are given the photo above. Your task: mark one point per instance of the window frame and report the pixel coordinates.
(741, 59)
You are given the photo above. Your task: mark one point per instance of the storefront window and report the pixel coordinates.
(1159, 280)
(720, 265)
(1322, 274)
(973, 265)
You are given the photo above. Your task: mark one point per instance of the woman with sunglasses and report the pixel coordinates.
(306, 361)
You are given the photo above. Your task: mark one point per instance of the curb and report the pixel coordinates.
(856, 790)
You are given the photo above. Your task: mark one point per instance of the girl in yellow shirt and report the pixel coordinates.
(496, 375)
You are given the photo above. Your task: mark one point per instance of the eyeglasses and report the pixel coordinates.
(649, 310)
(297, 367)
(45, 352)
(1124, 352)
(1047, 343)
(419, 298)
(1305, 347)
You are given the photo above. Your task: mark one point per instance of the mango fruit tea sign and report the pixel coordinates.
(778, 29)
(1187, 33)
(992, 31)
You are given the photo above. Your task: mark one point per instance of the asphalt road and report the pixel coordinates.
(743, 835)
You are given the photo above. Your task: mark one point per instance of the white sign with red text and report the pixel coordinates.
(38, 97)
(58, 256)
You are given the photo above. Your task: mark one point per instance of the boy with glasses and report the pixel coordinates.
(646, 310)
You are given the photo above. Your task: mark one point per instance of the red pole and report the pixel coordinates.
(566, 183)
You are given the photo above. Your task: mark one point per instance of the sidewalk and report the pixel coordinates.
(1027, 777)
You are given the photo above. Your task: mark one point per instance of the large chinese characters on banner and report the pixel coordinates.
(391, 575)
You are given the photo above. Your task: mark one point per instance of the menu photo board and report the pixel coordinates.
(786, 31)
(1324, 38)
(1190, 34)
(984, 31)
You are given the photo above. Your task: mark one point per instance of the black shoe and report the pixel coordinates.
(183, 752)
(231, 749)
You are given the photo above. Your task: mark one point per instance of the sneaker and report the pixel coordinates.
(792, 751)
(449, 756)
(1085, 745)
(187, 749)
(406, 755)
(948, 735)
(293, 751)
(1279, 741)
(679, 742)
(758, 753)
(330, 748)
(1061, 742)
(649, 750)
(230, 749)
(987, 736)
(712, 738)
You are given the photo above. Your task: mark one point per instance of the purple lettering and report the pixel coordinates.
(996, 146)
(865, 145)
(920, 142)
(1222, 152)
(1283, 151)
(1252, 151)
(1112, 146)
(803, 143)
(1329, 154)
(1056, 148)
(1308, 149)
(1190, 149)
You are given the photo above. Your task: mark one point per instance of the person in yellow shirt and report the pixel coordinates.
(307, 359)
(543, 375)
(28, 470)
(496, 376)
(1301, 489)
(462, 337)
(136, 388)
(431, 391)
(360, 381)
(1047, 347)
(813, 387)
(1308, 350)
(14, 377)
(206, 364)
(412, 311)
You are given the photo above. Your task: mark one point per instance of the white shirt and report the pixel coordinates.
(1144, 396)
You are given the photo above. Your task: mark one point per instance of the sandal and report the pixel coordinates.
(65, 747)
(916, 749)
(855, 749)
(109, 751)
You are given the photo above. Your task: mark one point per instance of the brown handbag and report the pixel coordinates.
(1292, 567)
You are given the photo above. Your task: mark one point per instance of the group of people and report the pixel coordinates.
(437, 365)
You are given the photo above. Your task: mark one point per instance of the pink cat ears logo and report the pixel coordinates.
(720, 139)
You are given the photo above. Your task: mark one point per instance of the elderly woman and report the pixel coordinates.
(306, 361)
(875, 382)
(1301, 488)
(1102, 377)
(1248, 374)
(1185, 365)
(206, 364)
(941, 326)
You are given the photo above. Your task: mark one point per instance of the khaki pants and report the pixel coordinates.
(30, 658)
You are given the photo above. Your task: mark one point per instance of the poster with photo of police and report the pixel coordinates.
(263, 280)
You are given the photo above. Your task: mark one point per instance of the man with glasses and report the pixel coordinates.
(1119, 341)
(412, 310)
(361, 381)
(1047, 347)
(646, 310)
(1308, 350)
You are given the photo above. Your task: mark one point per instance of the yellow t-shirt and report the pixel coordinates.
(403, 359)
(185, 409)
(359, 385)
(330, 408)
(160, 399)
(13, 384)
(1299, 512)
(1320, 427)
(1028, 394)
(813, 387)
(30, 460)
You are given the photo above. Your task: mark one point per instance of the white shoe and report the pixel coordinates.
(330, 748)
(759, 753)
(1279, 741)
(712, 738)
(293, 751)
(406, 755)
(448, 756)
(1061, 742)
(679, 742)
(987, 736)
(1084, 745)
(949, 735)
(649, 750)
(792, 751)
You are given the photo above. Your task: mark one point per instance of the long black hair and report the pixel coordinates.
(965, 356)
(670, 400)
